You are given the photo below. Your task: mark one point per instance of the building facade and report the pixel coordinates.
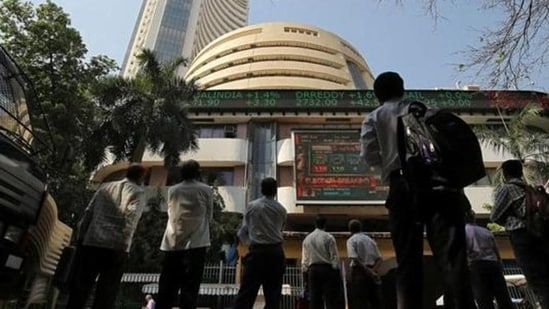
(280, 56)
(181, 28)
(281, 100)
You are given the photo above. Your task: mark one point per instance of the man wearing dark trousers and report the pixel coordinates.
(364, 284)
(485, 265)
(105, 233)
(264, 265)
(187, 236)
(531, 251)
(321, 263)
(415, 208)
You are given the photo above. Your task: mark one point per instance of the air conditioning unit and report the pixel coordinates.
(230, 131)
(471, 87)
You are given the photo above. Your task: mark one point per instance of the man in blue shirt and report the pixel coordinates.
(485, 265)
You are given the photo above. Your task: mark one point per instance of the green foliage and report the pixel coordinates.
(223, 228)
(52, 54)
(523, 141)
(148, 110)
(145, 254)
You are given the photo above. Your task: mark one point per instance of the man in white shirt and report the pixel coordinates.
(364, 283)
(187, 236)
(105, 234)
(265, 263)
(321, 263)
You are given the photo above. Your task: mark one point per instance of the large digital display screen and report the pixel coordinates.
(328, 169)
(359, 100)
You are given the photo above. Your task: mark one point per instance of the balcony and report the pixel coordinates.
(492, 158)
(212, 152)
(285, 155)
(478, 196)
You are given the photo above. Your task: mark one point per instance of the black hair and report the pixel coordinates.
(269, 187)
(320, 222)
(512, 169)
(387, 86)
(135, 172)
(355, 226)
(190, 170)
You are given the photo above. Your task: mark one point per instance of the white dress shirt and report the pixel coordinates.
(263, 222)
(112, 215)
(190, 210)
(378, 137)
(363, 249)
(319, 247)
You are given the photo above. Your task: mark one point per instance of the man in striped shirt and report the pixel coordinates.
(531, 252)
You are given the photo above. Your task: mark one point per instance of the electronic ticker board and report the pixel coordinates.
(360, 100)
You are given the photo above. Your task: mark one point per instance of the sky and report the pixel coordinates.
(390, 36)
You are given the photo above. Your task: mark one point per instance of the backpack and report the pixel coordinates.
(436, 148)
(536, 215)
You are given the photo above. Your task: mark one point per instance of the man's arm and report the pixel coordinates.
(243, 233)
(501, 204)
(378, 260)
(305, 257)
(135, 204)
(84, 223)
(334, 257)
(369, 145)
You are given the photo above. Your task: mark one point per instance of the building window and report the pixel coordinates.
(216, 131)
(217, 176)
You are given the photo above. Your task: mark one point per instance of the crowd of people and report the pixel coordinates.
(465, 253)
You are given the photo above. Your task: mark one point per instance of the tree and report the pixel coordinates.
(523, 141)
(51, 52)
(512, 50)
(148, 110)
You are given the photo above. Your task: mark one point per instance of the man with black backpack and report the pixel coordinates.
(415, 205)
(531, 251)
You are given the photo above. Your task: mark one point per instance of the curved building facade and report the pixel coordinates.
(218, 17)
(180, 28)
(280, 55)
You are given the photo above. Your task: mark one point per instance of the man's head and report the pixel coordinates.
(320, 222)
(269, 187)
(148, 297)
(136, 173)
(355, 226)
(388, 86)
(512, 169)
(190, 170)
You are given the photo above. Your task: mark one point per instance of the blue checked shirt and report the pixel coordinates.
(509, 205)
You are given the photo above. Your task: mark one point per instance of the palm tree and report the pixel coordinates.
(148, 110)
(522, 140)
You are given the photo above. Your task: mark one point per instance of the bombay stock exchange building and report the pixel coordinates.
(240, 146)
(181, 28)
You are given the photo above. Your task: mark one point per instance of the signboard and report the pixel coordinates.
(329, 170)
(359, 100)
